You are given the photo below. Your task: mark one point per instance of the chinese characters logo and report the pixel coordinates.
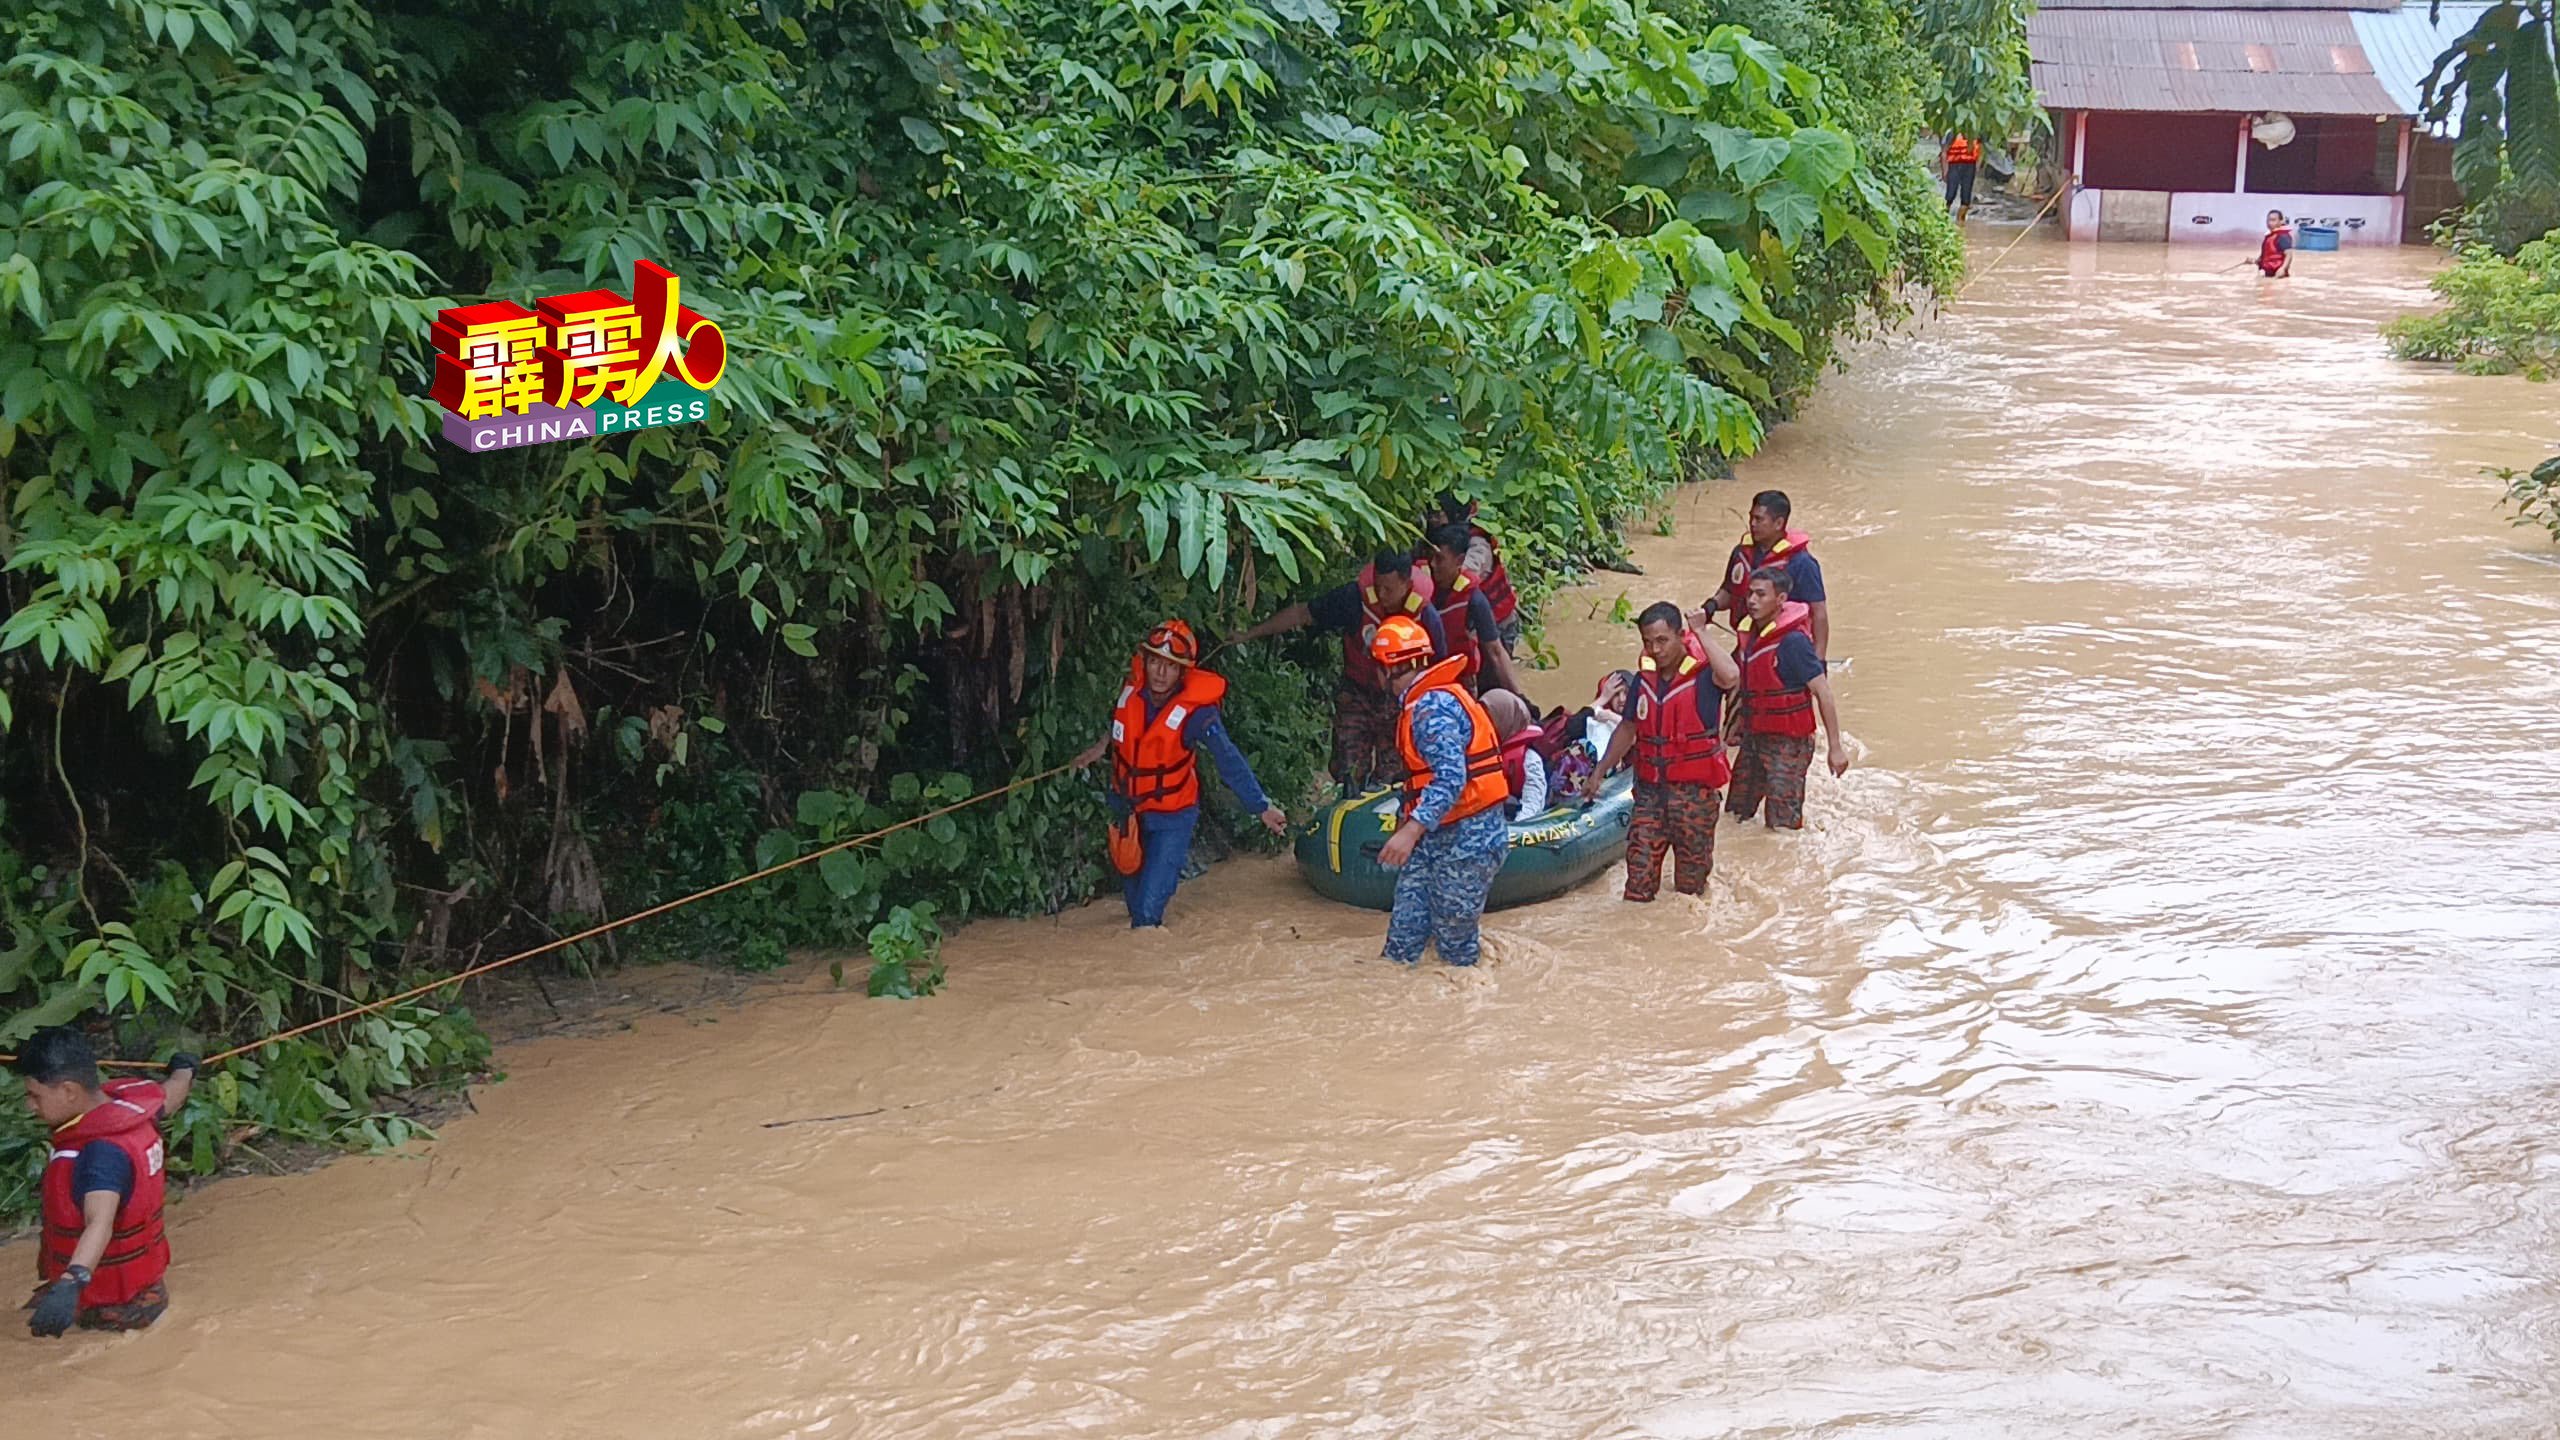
(575, 366)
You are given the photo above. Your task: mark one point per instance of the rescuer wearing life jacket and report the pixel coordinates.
(1165, 716)
(102, 1260)
(1771, 539)
(1675, 731)
(1783, 687)
(1963, 156)
(1454, 838)
(1483, 563)
(1364, 711)
(2275, 251)
(1466, 615)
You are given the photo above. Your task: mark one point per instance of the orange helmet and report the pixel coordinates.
(1174, 641)
(1399, 641)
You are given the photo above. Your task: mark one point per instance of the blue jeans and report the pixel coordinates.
(1165, 836)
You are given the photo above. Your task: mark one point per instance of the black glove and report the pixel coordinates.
(184, 1060)
(55, 1307)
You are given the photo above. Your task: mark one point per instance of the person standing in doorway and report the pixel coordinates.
(102, 1259)
(1963, 158)
(1770, 538)
(2275, 249)
(1364, 712)
(1454, 837)
(1783, 686)
(1166, 715)
(1676, 730)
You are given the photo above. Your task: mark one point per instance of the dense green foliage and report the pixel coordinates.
(1045, 318)
(2503, 79)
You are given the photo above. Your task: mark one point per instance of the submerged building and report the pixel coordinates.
(2187, 120)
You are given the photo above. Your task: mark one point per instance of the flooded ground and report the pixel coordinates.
(2153, 1038)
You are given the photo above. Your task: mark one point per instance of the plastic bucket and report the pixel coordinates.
(2315, 237)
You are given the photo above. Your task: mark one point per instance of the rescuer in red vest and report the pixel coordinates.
(1364, 712)
(1770, 538)
(1783, 686)
(1466, 615)
(2275, 252)
(1454, 837)
(102, 1260)
(1963, 157)
(1675, 729)
(1483, 563)
(1165, 716)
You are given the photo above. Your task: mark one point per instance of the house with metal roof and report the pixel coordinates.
(2191, 119)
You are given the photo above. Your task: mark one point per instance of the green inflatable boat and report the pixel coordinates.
(1550, 853)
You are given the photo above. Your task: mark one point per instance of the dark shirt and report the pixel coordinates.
(102, 1167)
(1340, 611)
(1797, 664)
(2284, 240)
(1480, 621)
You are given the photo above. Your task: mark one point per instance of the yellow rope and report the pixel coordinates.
(2058, 192)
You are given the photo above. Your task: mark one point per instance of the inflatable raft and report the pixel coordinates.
(1550, 853)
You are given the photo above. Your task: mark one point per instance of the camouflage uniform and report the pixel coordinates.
(1441, 891)
(1676, 816)
(1771, 768)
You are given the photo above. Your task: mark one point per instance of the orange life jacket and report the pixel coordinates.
(1675, 741)
(1153, 767)
(1964, 150)
(1485, 787)
(138, 1253)
(1769, 707)
(1357, 667)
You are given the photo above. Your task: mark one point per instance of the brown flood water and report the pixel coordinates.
(2152, 1038)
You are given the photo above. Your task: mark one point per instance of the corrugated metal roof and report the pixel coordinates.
(2303, 62)
(2403, 45)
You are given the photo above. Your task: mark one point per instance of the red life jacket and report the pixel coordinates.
(1453, 605)
(2270, 255)
(1496, 585)
(1515, 769)
(1357, 667)
(1485, 787)
(138, 1253)
(1674, 741)
(1153, 767)
(1963, 150)
(1748, 557)
(1769, 707)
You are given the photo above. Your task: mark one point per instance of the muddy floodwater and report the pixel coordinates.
(2158, 1034)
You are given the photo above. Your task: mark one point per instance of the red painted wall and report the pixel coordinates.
(2160, 152)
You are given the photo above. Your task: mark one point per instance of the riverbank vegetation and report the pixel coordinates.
(1044, 319)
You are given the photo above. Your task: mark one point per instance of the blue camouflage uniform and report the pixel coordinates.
(1440, 893)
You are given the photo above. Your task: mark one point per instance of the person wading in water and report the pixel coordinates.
(1783, 684)
(2275, 250)
(1963, 157)
(1770, 539)
(1454, 838)
(1364, 713)
(1166, 715)
(1466, 615)
(103, 1258)
(1675, 730)
(1483, 562)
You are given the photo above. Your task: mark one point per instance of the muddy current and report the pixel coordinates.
(2157, 1034)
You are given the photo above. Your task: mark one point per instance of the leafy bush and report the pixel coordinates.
(2502, 315)
(1046, 319)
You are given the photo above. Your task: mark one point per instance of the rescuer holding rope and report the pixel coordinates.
(103, 1259)
(1166, 715)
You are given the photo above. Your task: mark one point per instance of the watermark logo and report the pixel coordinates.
(575, 366)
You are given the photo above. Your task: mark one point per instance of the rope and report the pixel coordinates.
(592, 932)
(2058, 192)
